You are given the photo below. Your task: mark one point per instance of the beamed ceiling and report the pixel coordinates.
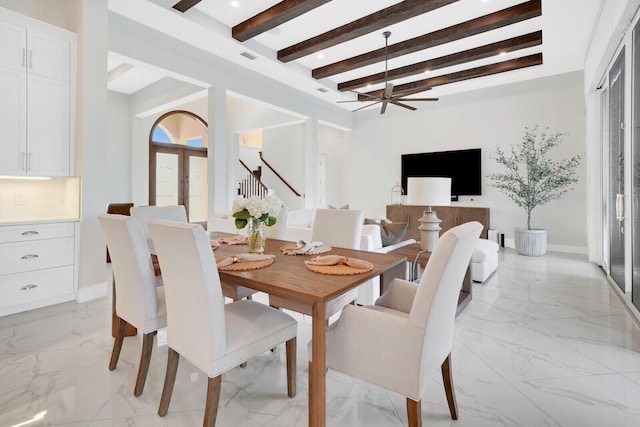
(338, 44)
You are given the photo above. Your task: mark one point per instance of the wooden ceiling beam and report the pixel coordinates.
(277, 14)
(487, 51)
(473, 73)
(365, 25)
(184, 5)
(492, 21)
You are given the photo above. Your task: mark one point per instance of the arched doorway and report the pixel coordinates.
(178, 144)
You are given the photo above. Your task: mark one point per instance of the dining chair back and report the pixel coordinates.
(277, 230)
(140, 300)
(399, 342)
(338, 227)
(146, 214)
(212, 335)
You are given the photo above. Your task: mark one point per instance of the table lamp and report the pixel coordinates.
(429, 191)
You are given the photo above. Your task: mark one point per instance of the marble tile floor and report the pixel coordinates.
(544, 342)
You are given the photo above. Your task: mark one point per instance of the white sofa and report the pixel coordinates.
(484, 260)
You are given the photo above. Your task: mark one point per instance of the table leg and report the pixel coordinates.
(317, 374)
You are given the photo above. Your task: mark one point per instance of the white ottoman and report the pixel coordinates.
(484, 260)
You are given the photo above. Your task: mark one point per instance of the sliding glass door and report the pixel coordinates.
(616, 203)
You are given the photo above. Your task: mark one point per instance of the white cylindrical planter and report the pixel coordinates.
(531, 242)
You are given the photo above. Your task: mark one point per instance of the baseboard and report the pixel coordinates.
(90, 293)
(580, 250)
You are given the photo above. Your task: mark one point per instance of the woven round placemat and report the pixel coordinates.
(338, 269)
(246, 265)
(315, 251)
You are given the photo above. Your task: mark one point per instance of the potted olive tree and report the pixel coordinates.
(533, 179)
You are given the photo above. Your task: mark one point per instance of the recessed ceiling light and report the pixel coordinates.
(235, 3)
(320, 56)
(427, 71)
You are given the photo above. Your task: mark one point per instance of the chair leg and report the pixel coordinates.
(414, 413)
(291, 367)
(145, 359)
(173, 357)
(213, 397)
(447, 379)
(117, 344)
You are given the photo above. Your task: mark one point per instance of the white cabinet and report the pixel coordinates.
(37, 66)
(36, 265)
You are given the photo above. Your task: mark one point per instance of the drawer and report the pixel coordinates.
(29, 232)
(36, 255)
(27, 287)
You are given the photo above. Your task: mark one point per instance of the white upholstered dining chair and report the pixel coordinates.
(337, 228)
(140, 299)
(212, 335)
(400, 342)
(146, 214)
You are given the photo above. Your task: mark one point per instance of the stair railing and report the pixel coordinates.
(250, 183)
(279, 176)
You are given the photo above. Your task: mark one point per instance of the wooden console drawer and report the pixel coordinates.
(26, 288)
(35, 255)
(29, 232)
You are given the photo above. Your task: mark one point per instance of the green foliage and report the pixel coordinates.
(532, 178)
(242, 218)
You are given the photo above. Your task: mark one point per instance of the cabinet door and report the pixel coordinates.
(13, 110)
(13, 44)
(47, 127)
(47, 56)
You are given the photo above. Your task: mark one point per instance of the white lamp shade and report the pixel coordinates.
(429, 191)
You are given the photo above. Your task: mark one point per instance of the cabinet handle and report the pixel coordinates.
(24, 57)
(23, 160)
(29, 256)
(30, 233)
(30, 59)
(28, 287)
(29, 161)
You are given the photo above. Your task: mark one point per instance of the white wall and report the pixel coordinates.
(332, 143)
(283, 149)
(478, 119)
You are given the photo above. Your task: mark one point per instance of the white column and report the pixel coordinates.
(220, 166)
(91, 138)
(311, 163)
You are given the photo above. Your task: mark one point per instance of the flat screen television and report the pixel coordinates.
(462, 166)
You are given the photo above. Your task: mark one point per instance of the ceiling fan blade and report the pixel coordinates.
(388, 91)
(414, 99)
(384, 106)
(377, 98)
(366, 106)
(400, 104)
(411, 91)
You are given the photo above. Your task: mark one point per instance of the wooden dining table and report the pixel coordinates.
(288, 277)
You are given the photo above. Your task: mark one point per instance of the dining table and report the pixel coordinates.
(288, 277)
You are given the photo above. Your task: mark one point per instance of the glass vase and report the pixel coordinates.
(256, 239)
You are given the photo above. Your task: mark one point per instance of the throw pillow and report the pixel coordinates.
(343, 207)
(392, 232)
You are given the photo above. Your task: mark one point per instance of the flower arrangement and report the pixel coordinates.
(263, 210)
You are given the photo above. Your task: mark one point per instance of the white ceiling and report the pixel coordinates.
(566, 24)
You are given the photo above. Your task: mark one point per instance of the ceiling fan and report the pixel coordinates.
(389, 96)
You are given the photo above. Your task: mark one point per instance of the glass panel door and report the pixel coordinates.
(616, 172)
(196, 182)
(167, 173)
(635, 282)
